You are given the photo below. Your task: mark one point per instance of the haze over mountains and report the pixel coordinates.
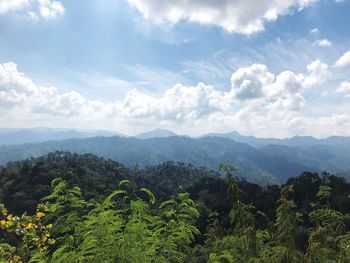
(34, 135)
(259, 160)
(292, 141)
(157, 133)
(11, 136)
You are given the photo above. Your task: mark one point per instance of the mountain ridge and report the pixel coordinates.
(11, 136)
(156, 133)
(263, 162)
(256, 165)
(291, 141)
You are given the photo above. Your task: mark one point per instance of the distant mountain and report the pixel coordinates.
(157, 133)
(262, 166)
(293, 141)
(20, 136)
(259, 160)
(9, 136)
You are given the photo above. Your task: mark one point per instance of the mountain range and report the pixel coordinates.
(14, 136)
(292, 141)
(262, 161)
(11, 136)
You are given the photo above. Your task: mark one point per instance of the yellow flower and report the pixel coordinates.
(9, 217)
(49, 226)
(16, 259)
(29, 226)
(4, 211)
(40, 214)
(2, 222)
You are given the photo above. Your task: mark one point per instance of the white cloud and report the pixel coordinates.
(177, 103)
(344, 60)
(286, 82)
(10, 98)
(315, 31)
(259, 102)
(50, 9)
(240, 16)
(9, 5)
(323, 43)
(17, 90)
(33, 16)
(318, 73)
(344, 89)
(253, 85)
(34, 9)
(13, 80)
(288, 102)
(287, 92)
(257, 82)
(249, 82)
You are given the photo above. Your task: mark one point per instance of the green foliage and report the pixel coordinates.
(121, 228)
(328, 242)
(26, 235)
(327, 236)
(24, 183)
(214, 220)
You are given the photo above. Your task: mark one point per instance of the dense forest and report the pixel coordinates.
(65, 207)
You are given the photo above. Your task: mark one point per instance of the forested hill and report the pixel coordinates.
(264, 165)
(80, 208)
(24, 183)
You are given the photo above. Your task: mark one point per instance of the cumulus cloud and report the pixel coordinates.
(11, 97)
(287, 92)
(240, 16)
(14, 86)
(253, 85)
(258, 102)
(318, 73)
(344, 60)
(178, 103)
(17, 90)
(323, 43)
(34, 9)
(257, 82)
(249, 82)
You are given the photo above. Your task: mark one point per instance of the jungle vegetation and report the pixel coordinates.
(66, 207)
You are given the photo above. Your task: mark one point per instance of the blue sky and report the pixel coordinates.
(272, 69)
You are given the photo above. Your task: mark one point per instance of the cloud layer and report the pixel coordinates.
(258, 102)
(240, 16)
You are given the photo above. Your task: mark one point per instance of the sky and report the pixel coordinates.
(268, 68)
